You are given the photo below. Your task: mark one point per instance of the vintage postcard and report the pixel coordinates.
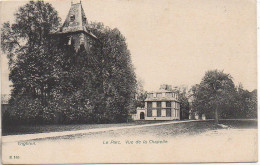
(128, 81)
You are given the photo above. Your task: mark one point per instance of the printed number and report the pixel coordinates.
(14, 157)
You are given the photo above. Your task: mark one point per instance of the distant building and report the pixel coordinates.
(160, 105)
(4, 102)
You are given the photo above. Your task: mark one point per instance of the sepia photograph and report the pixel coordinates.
(128, 81)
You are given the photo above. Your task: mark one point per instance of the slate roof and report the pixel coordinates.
(162, 91)
(76, 21)
(161, 99)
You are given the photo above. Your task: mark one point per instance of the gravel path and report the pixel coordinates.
(16, 138)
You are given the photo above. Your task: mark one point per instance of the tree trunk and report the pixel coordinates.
(216, 115)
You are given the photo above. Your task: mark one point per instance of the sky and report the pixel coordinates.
(173, 41)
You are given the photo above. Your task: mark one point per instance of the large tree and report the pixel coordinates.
(252, 107)
(245, 104)
(117, 77)
(214, 95)
(28, 47)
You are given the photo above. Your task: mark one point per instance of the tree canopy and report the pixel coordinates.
(216, 96)
(214, 93)
(184, 102)
(53, 83)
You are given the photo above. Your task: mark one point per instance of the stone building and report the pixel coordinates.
(4, 102)
(75, 29)
(160, 105)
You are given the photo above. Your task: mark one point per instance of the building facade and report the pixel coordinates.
(160, 105)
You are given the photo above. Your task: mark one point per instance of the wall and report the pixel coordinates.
(137, 115)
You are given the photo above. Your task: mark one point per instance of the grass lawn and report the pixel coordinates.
(31, 129)
(165, 131)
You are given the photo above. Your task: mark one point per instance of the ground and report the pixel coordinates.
(180, 129)
(191, 128)
(30, 129)
(199, 141)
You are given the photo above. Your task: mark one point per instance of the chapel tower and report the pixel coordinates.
(75, 28)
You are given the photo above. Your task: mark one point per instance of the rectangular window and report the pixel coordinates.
(84, 20)
(72, 18)
(149, 109)
(163, 94)
(154, 94)
(168, 95)
(154, 105)
(159, 104)
(163, 113)
(168, 112)
(154, 113)
(164, 104)
(149, 105)
(168, 104)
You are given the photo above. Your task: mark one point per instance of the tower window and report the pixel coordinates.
(85, 20)
(72, 18)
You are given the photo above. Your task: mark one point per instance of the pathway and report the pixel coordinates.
(16, 138)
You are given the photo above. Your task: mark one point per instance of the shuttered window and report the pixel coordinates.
(163, 114)
(154, 113)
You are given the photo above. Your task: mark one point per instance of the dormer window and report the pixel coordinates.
(168, 95)
(159, 95)
(72, 18)
(163, 94)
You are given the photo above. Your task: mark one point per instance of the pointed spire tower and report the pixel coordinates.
(74, 29)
